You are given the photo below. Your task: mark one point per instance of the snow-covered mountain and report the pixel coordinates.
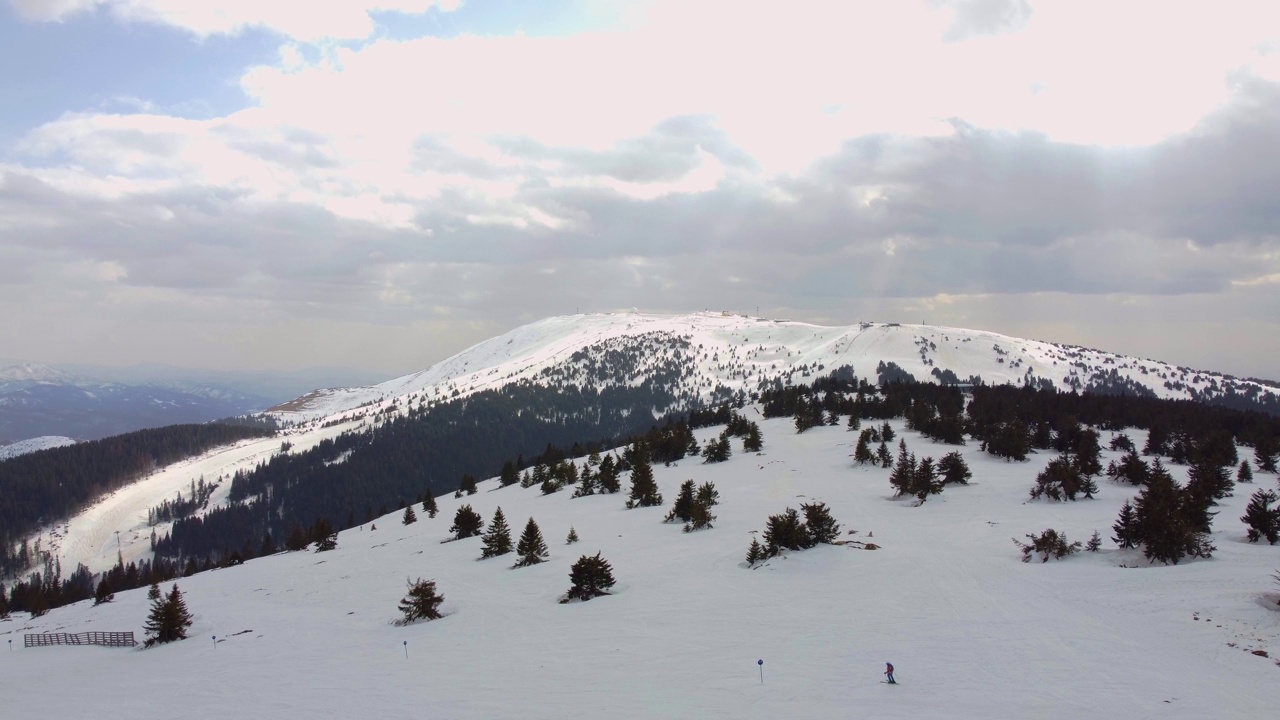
(44, 442)
(973, 632)
(717, 356)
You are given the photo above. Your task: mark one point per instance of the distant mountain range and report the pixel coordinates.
(88, 402)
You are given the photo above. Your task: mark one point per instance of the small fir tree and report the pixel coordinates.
(700, 516)
(421, 603)
(707, 494)
(101, 595)
(467, 485)
(785, 532)
(327, 543)
(608, 475)
(1245, 473)
(886, 432)
(429, 505)
(862, 452)
(954, 470)
(753, 442)
(169, 619)
(1262, 519)
(755, 553)
(1050, 543)
(644, 491)
(410, 517)
(509, 475)
(1126, 527)
(497, 540)
(573, 536)
(590, 576)
(1095, 542)
(682, 509)
(883, 458)
(466, 523)
(153, 592)
(532, 549)
(821, 526)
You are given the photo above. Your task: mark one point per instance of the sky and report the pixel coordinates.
(378, 184)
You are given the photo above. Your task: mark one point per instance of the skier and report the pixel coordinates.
(888, 670)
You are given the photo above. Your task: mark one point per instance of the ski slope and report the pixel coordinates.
(973, 632)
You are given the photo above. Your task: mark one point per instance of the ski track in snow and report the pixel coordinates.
(973, 632)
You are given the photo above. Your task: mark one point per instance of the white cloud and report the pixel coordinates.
(309, 22)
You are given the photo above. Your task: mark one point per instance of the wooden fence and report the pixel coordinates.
(110, 639)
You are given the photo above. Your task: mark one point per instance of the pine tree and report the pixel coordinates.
(102, 595)
(955, 471)
(682, 509)
(608, 475)
(153, 592)
(587, 485)
(1126, 528)
(509, 475)
(753, 442)
(785, 532)
(589, 577)
(466, 523)
(644, 491)
(862, 453)
(1095, 543)
(854, 423)
(421, 603)
(497, 540)
(429, 505)
(327, 543)
(707, 494)
(1245, 473)
(755, 553)
(902, 477)
(700, 516)
(573, 536)
(821, 526)
(883, 458)
(468, 484)
(1262, 519)
(924, 481)
(531, 548)
(169, 619)
(886, 432)
(1264, 454)
(410, 517)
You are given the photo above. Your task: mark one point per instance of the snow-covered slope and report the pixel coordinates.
(973, 632)
(44, 442)
(715, 355)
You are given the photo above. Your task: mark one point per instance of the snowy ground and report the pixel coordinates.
(44, 442)
(973, 632)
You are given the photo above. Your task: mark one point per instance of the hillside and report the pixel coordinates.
(713, 357)
(681, 362)
(973, 632)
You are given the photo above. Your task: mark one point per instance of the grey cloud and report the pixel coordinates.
(975, 18)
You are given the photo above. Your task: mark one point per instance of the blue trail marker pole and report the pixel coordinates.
(215, 642)
(406, 649)
(760, 662)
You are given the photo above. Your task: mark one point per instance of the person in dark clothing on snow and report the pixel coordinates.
(888, 671)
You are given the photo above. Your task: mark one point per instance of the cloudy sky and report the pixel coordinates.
(271, 184)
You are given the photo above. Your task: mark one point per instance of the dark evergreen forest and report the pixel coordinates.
(361, 475)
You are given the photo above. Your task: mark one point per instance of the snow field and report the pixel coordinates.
(973, 632)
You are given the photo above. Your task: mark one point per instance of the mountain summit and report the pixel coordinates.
(713, 357)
